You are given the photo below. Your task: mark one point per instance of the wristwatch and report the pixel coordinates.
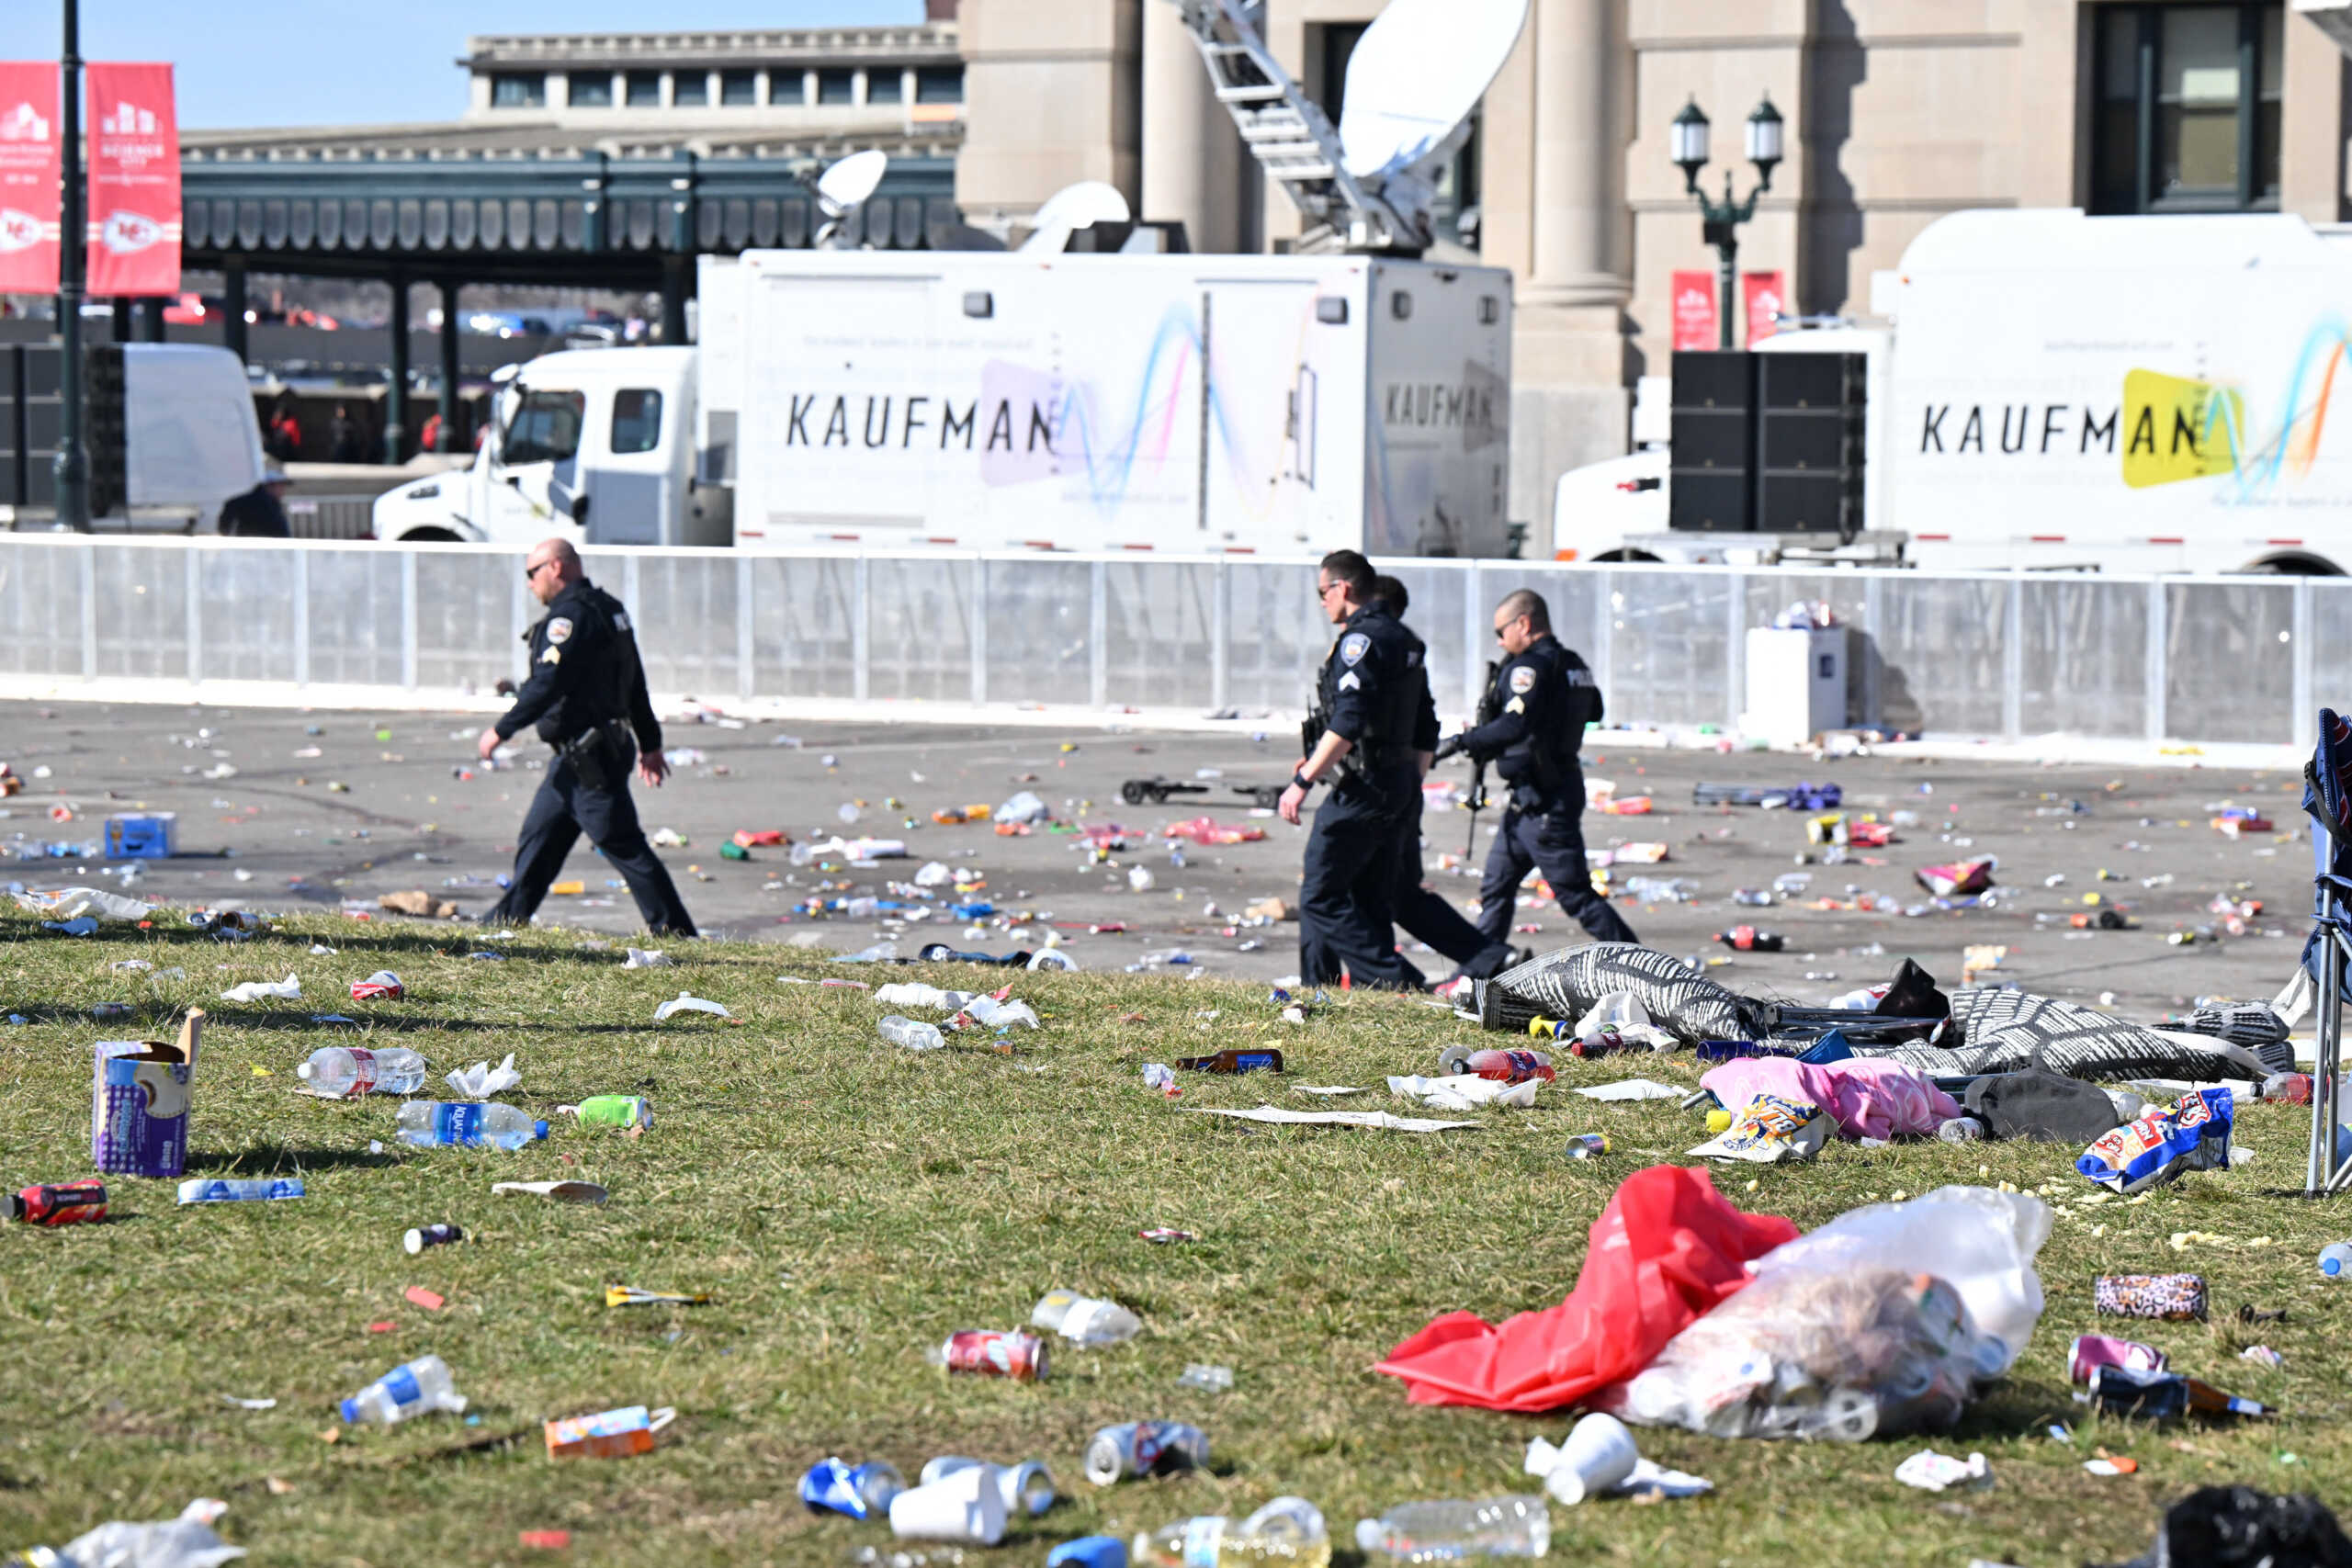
(1302, 781)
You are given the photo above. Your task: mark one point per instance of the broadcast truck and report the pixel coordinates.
(2056, 390)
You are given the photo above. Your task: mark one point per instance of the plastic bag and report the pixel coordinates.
(1024, 807)
(2191, 1133)
(481, 1080)
(1622, 1011)
(185, 1542)
(1666, 1249)
(1887, 1320)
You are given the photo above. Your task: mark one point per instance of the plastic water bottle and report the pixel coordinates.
(419, 1388)
(430, 1124)
(342, 1072)
(1084, 1320)
(2336, 1259)
(913, 1034)
(1288, 1530)
(1435, 1532)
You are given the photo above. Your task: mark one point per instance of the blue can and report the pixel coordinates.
(862, 1492)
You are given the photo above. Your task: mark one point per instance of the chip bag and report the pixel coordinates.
(2191, 1133)
(1768, 1130)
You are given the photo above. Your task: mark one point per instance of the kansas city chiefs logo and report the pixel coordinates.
(18, 230)
(125, 233)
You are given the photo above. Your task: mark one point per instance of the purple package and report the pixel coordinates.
(139, 1106)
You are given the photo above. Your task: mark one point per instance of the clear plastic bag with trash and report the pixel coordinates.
(1024, 807)
(1888, 1320)
(188, 1541)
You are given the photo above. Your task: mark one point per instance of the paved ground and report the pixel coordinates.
(407, 821)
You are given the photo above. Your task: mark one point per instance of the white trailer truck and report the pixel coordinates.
(2138, 394)
(1008, 399)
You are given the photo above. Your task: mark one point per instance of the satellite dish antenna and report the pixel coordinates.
(1073, 208)
(1416, 76)
(842, 188)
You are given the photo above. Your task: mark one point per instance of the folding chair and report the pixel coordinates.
(2327, 956)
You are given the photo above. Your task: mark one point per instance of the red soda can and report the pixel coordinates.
(994, 1352)
(71, 1203)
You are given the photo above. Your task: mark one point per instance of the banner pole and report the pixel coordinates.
(72, 461)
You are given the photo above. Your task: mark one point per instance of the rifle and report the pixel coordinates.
(1487, 710)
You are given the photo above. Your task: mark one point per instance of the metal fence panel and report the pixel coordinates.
(465, 618)
(41, 608)
(246, 599)
(803, 634)
(356, 616)
(684, 613)
(2330, 653)
(1669, 654)
(143, 612)
(1941, 649)
(1440, 593)
(2084, 662)
(1280, 636)
(1040, 631)
(919, 628)
(1160, 620)
(2229, 664)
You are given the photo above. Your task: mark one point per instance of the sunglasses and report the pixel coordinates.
(531, 572)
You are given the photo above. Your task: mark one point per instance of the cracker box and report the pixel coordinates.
(139, 1109)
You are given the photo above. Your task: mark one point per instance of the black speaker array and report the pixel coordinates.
(1769, 443)
(32, 415)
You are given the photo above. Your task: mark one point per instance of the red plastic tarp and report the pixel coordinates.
(1664, 1252)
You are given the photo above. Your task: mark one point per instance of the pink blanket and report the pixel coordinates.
(1869, 1098)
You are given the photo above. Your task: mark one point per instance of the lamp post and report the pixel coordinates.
(72, 465)
(1722, 218)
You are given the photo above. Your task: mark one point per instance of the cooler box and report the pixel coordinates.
(1796, 684)
(152, 837)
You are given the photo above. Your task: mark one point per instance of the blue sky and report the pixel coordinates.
(337, 62)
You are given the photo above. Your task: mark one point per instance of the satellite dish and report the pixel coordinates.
(846, 184)
(1073, 208)
(1417, 75)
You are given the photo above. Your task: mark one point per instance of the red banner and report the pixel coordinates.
(1694, 311)
(28, 178)
(134, 142)
(1766, 295)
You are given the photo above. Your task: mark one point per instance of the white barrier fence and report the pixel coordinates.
(1998, 656)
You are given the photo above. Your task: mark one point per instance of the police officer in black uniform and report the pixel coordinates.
(1420, 910)
(587, 694)
(1371, 691)
(1546, 696)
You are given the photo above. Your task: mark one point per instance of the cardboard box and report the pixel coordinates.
(139, 1110)
(609, 1434)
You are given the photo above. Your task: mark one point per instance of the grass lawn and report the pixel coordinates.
(849, 1204)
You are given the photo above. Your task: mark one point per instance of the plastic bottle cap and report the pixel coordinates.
(538, 1129)
(2332, 1265)
(351, 1410)
(1368, 1535)
(303, 1071)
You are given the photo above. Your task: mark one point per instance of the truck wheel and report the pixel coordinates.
(2295, 566)
(1133, 792)
(428, 536)
(1624, 555)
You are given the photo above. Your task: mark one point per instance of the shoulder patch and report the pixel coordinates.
(1517, 705)
(1522, 679)
(1349, 681)
(1353, 646)
(620, 619)
(553, 655)
(558, 629)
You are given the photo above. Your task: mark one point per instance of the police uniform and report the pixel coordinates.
(587, 694)
(1371, 691)
(1545, 698)
(1421, 912)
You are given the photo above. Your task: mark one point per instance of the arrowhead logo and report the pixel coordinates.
(127, 233)
(18, 230)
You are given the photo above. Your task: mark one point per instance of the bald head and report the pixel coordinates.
(551, 568)
(1521, 620)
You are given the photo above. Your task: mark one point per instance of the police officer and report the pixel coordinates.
(587, 694)
(1419, 911)
(1371, 691)
(1545, 696)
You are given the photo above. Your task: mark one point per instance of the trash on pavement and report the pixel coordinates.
(684, 1002)
(1666, 1249)
(560, 1191)
(1959, 878)
(609, 1434)
(1768, 1130)
(288, 989)
(1932, 1471)
(862, 1492)
(1024, 807)
(140, 1095)
(1084, 1320)
(418, 1388)
(1376, 1120)
(2192, 1133)
(64, 1204)
(481, 1080)
(2170, 1298)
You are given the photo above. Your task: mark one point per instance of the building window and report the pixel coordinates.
(2187, 102)
(787, 88)
(645, 89)
(589, 90)
(637, 421)
(518, 90)
(834, 87)
(939, 85)
(693, 88)
(740, 89)
(882, 86)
